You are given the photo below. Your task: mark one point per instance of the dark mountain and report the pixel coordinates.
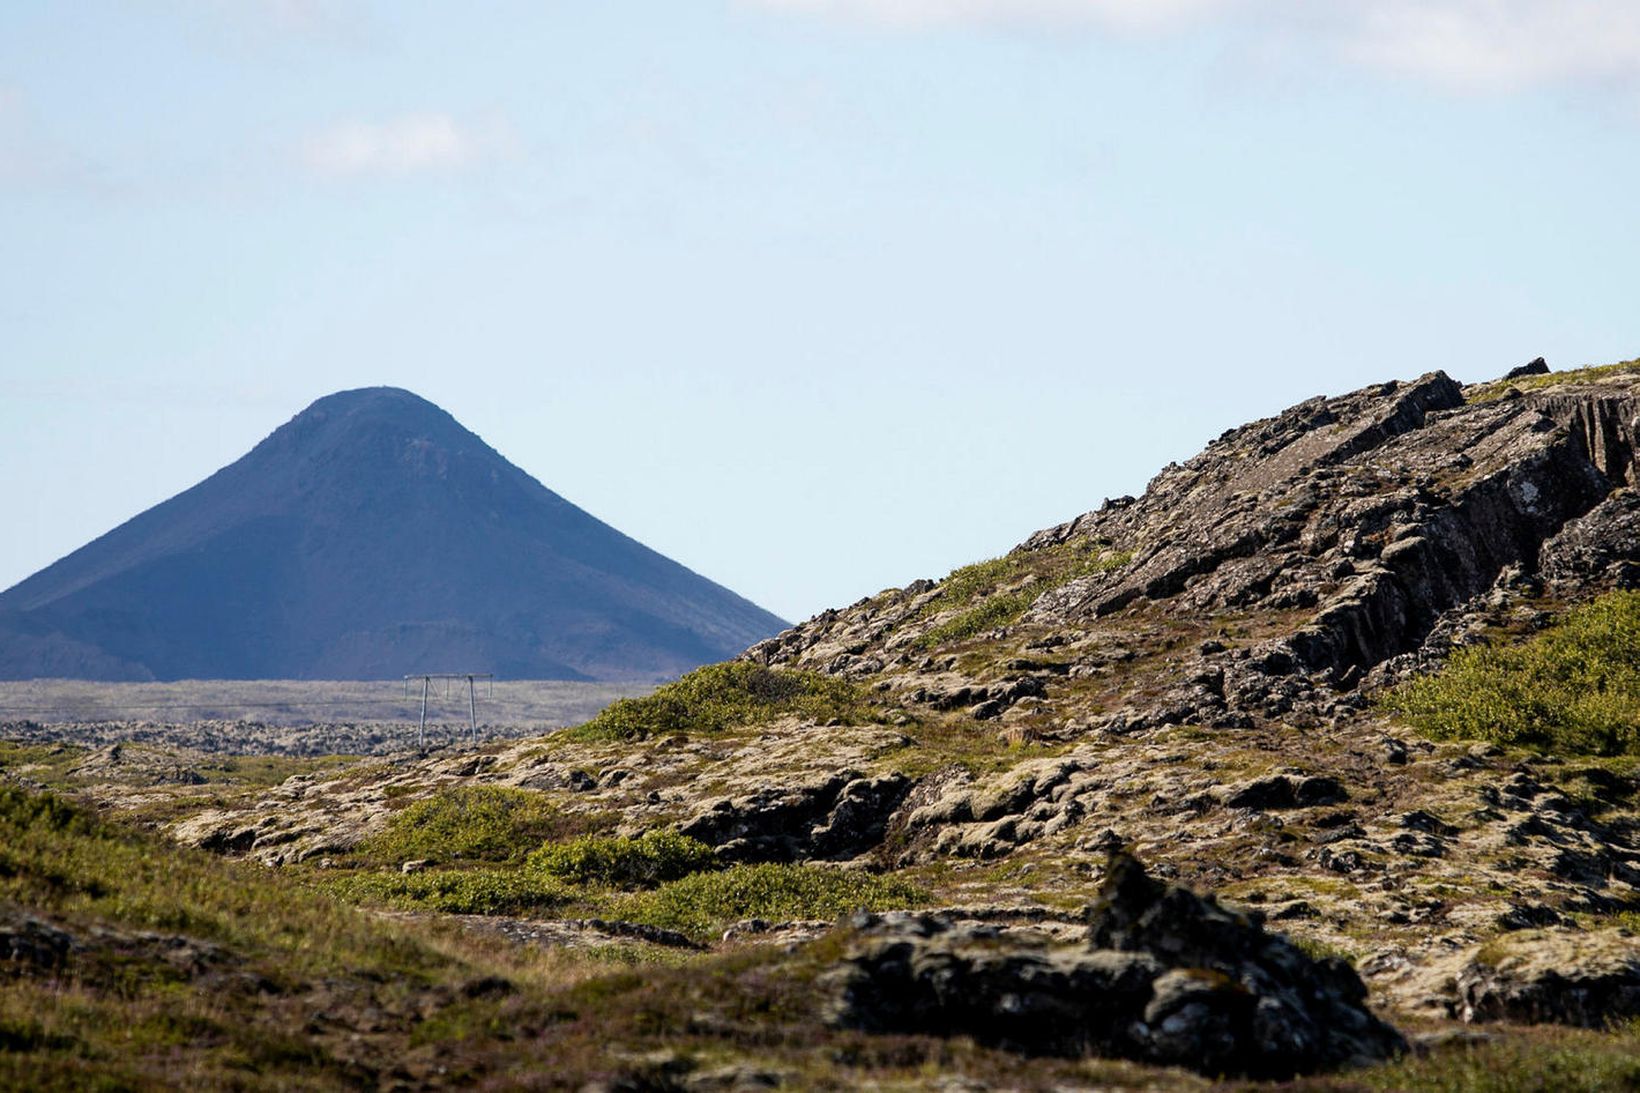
(368, 537)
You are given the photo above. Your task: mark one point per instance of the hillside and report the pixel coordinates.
(369, 537)
(1315, 767)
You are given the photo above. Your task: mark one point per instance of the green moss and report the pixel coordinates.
(719, 697)
(473, 823)
(705, 902)
(1573, 688)
(268, 770)
(653, 858)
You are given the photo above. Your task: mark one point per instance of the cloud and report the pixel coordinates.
(1471, 45)
(1498, 44)
(1115, 14)
(410, 144)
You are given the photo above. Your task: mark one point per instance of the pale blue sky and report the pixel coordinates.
(814, 296)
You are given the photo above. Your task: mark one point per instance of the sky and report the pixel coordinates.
(817, 297)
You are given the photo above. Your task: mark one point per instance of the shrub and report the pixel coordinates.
(21, 809)
(986, 615)
(1044, 569)
(472, 823)
(1572, 688)
(459, 892)
(704, 902)
(719, 697)
(653, 858)
(965, 583)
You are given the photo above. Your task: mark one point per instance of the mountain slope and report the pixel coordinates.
(370, 536)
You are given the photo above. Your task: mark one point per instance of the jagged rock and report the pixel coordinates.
(1601, 547)
(838, 816)
(1526, 916)
(1282, 791)
(1536, 367)
(1167, 977)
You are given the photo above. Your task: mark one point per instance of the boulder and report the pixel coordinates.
(1165, 977)
(1553, 976)
(838, 815)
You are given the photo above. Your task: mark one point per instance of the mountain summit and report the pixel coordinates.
(370, 536)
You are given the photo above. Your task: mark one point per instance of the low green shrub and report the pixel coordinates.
(653, 858)
(720, 697)
(965, 583)
(1044, 569)
(472, 823)
(986, 615)
(703, 903)
(1573, 688)
(21, 810)
(459, 892)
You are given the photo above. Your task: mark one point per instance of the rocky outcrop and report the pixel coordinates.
(1350, 528)
(1552, 976)
(838, 816)
(1166, 977)
(1599, 549)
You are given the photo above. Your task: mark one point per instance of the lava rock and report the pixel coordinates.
(1553, 976)
(1167, 977)
(837, 816)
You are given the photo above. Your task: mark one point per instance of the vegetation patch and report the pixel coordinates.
(458, 892)
(704, 903)
(997, 592)
(1573, 688)
(987, 615)
(474, 823)
(720, 697)
(1536, 1061)
(653, 858)
(1498, 388)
